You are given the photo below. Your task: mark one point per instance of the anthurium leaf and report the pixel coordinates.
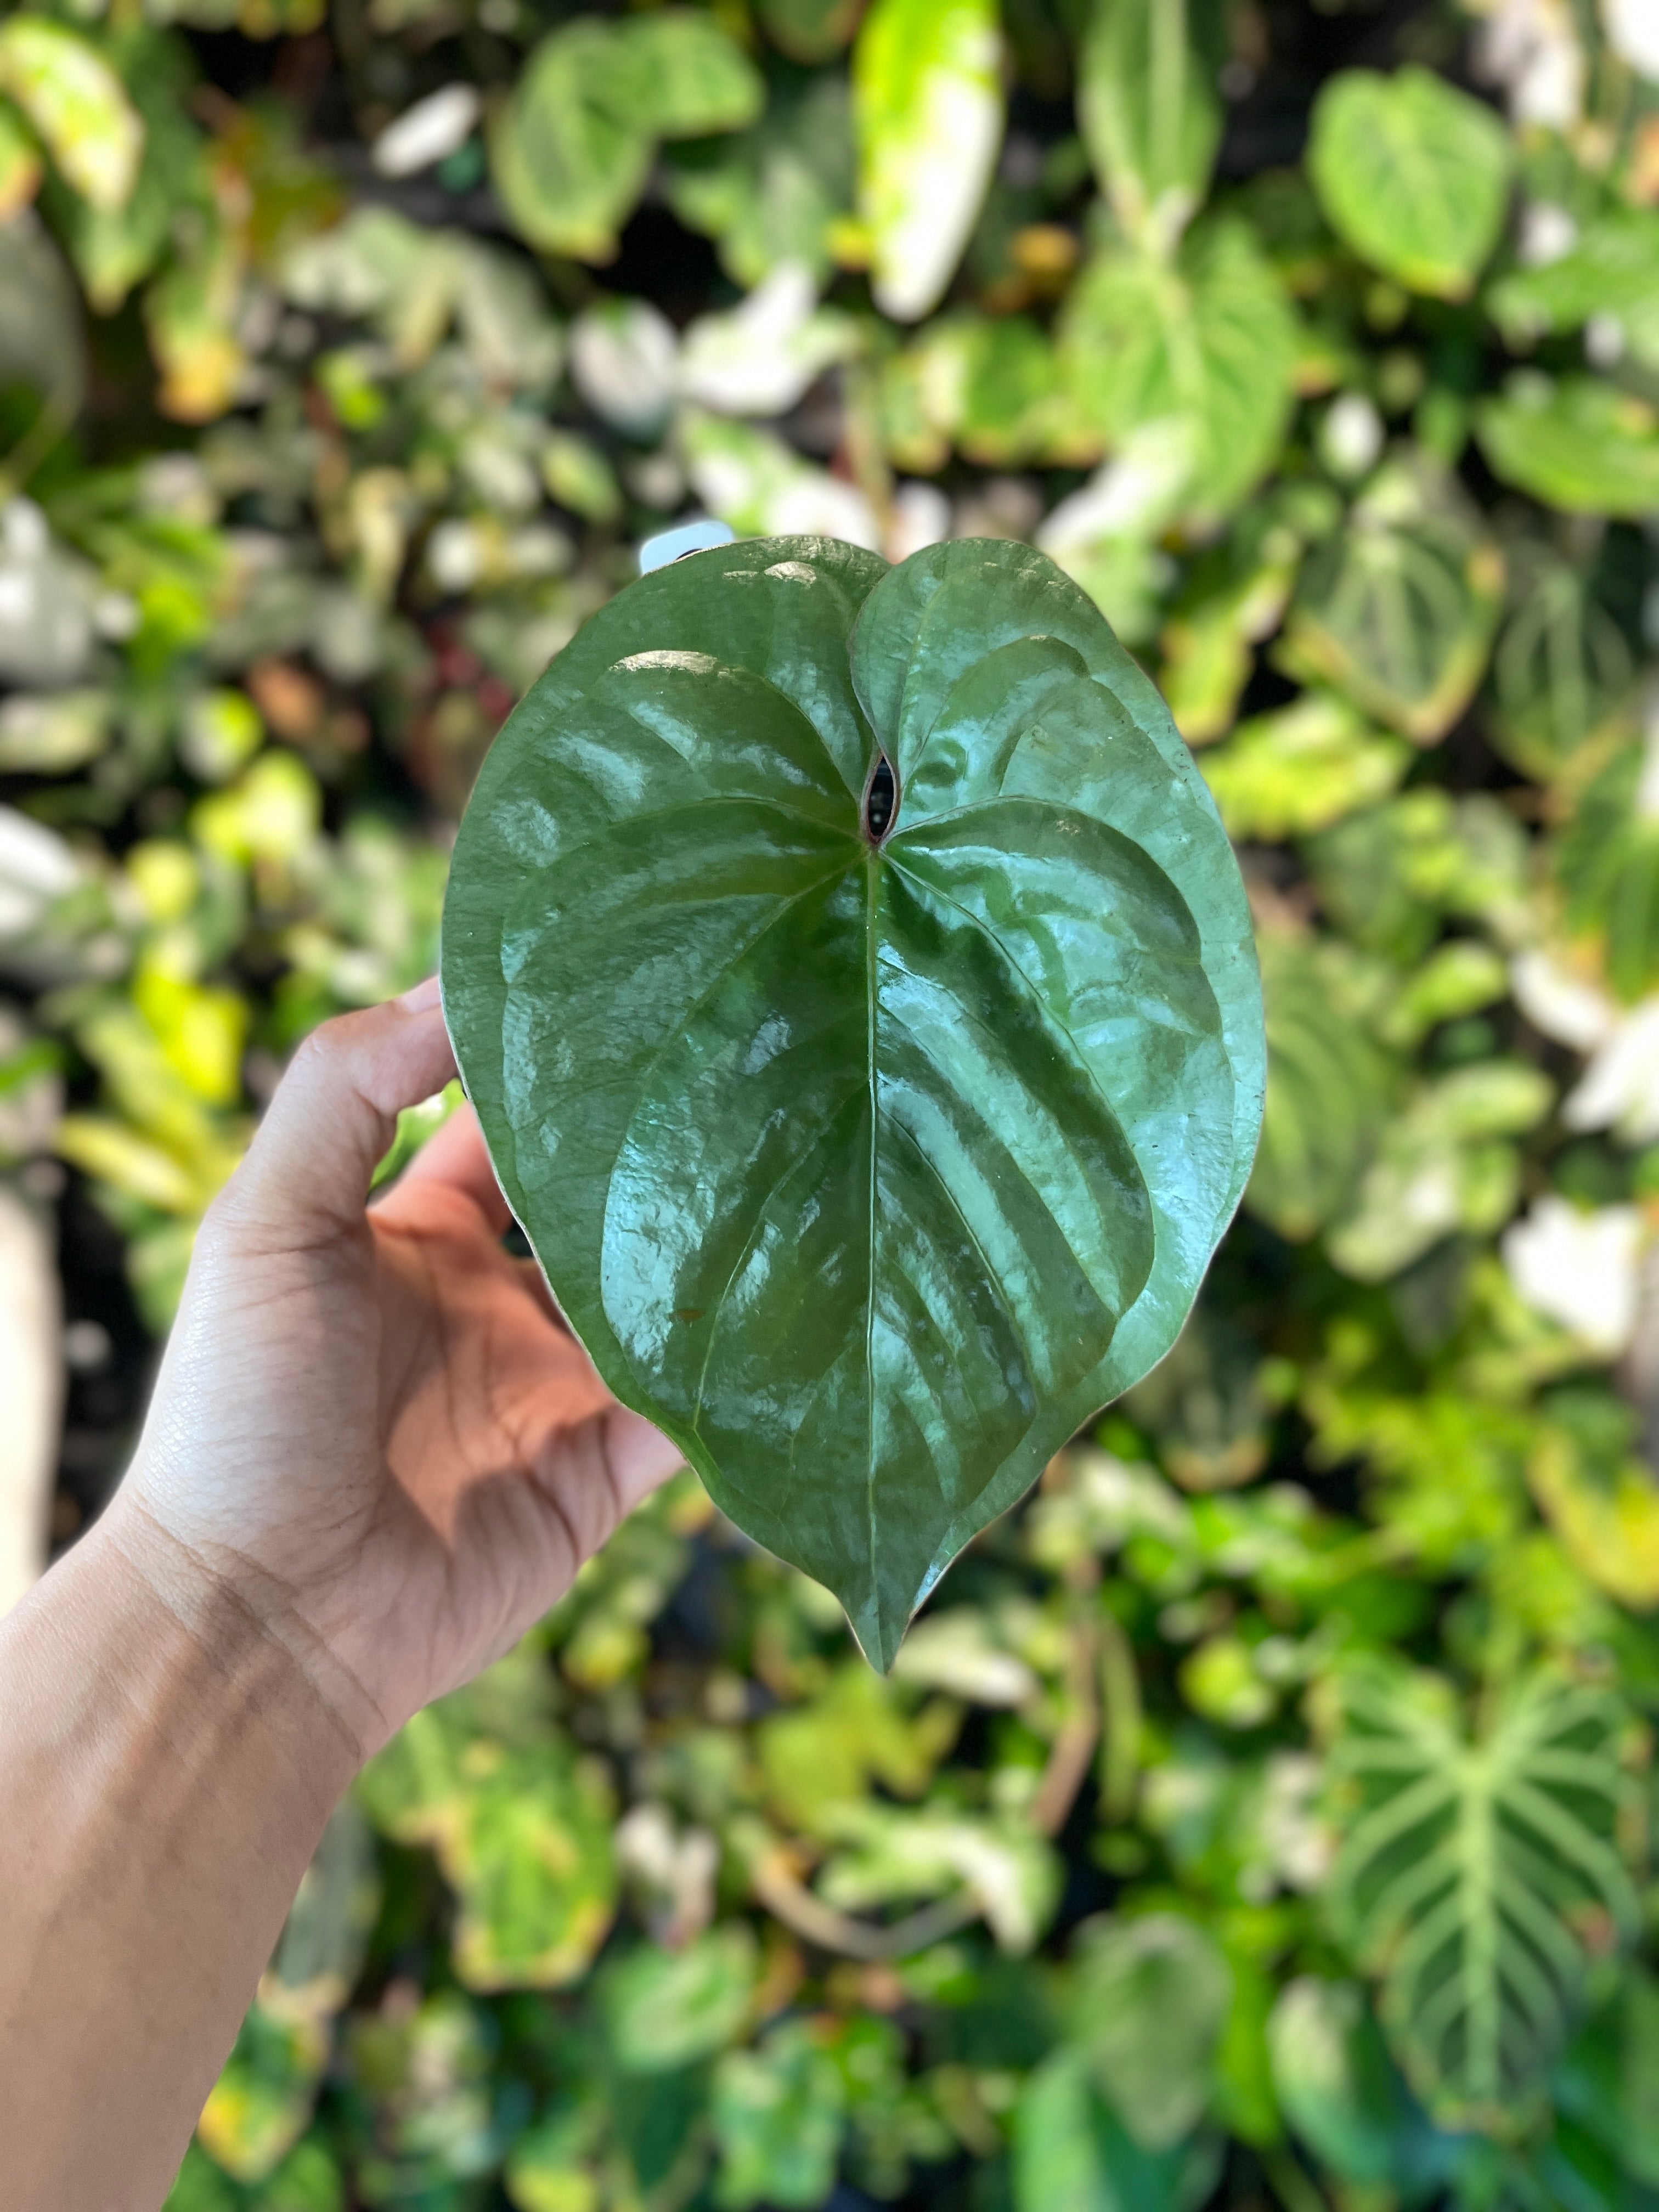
(1480, 1872)
(1149, 111)
(927, 113)
(1208, 338)
(1574, 442)
(1414, 173)
(866, 1163)
(1398, 609)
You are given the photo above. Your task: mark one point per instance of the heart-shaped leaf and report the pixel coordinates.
(1414, 173)
(856, 989)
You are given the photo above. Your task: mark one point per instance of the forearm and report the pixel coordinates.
(166, 1767)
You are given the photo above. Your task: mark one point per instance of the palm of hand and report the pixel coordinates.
(410, 1457)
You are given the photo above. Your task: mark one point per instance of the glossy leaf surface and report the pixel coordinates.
(866, 1170)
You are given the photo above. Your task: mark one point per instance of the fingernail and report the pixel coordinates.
(422, 998)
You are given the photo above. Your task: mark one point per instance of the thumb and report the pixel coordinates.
(306, 1174)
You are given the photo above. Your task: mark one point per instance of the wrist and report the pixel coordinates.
(227, 1645)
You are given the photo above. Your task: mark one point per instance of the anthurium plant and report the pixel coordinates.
(857, 993)
(856, 984)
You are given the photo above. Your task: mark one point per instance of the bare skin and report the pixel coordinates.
(375, 1457)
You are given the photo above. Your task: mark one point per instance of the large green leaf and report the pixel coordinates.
(1480, 1872)
(927, 117)
(1414, 173)
(1209, 338)
(1329, 1084)
(1147, 104)
(1574, 442)
(866, 1165)
(1399, 609)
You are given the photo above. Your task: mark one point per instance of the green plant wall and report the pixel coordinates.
(1258, 1816)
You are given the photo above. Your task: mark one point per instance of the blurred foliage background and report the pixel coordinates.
(1257, 1816)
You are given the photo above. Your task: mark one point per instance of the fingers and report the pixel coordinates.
(457, 1157)
(593, 1474)
(306, 1174)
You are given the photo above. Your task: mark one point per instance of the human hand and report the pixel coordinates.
(370, 1430)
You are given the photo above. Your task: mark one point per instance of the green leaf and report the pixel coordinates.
(19, 164)
(1072, 2154)
(1563, 674)
(1151, 1996)
(1148, 110)
(1444, 1165)
(77, 104)
(779, 2115)
(1607, 863)
(1302, 767)
(928, 121)
(1399, 609)
(114, 247)
(665, 2010)
(1574, 442)
(1340, 2089)
(567, 159)
(1611, 271)
(521, 1829)
(678, 74)
(42, 343)
(1480, 1872)
(1387, 876)
(1209, 339)
(1607, 2080)
(857, 1171)
(771, 195)
(1412, 174)
(1329, 1086)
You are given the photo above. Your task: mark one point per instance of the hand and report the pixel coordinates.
(371, 1427)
